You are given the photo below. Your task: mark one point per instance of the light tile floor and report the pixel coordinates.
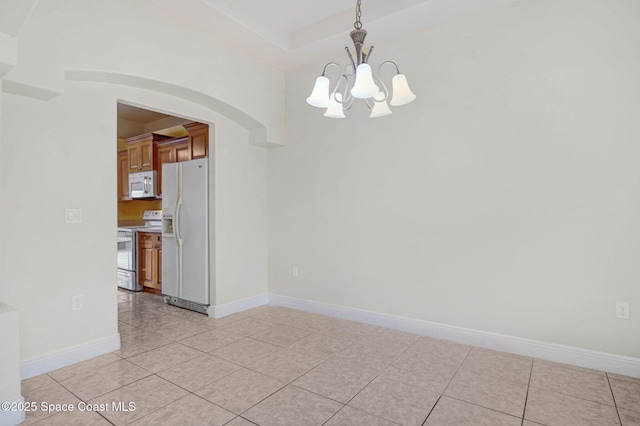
(278, 366)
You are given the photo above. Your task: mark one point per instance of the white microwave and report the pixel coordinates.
(143, 184)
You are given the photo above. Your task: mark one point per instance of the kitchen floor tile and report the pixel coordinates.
(498, 364)
(50, 394)
(198, 372)
(551, 409)
(211, 340)
(349, 416)
(284, 364)
(626, 393)
(629, 418)
(386, 338)
(489, 392)
(165, 357)
(336, 380)
(37, 382)
(245, 351)
(433, 375)
(246, 326)
(142, 342)
(451, 412)
(366, 356)
(396, 401)
(348, 330)
(104, 379)
(319, 345)
(190, 410)
(240, 390)
(572, 382)
(280, 366)
(83, 367)
(281, 335)
(125, 329)
(293, 406)
(147, 395)
(239, 421)
(74, 418)
(180, 330)
(443, 351)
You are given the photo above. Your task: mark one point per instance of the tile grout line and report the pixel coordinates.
(448, 383)
(526, 398)
(613, 396)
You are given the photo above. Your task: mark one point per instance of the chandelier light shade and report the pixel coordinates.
(359, 83)
(320, 95)
(335, 107)
(380, 106)
(364, 86)
(402, 94)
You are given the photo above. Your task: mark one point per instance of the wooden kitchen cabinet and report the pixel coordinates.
(123, 176)
(171, 151)
(149, 260)
(198, 139)
(141, 151)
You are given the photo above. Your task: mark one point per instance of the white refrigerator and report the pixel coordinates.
(185, 234)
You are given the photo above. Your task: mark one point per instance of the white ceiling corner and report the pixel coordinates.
(293, 34)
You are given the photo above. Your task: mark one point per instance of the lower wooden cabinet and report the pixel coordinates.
(149, 258)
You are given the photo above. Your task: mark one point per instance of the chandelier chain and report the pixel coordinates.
(358, 24)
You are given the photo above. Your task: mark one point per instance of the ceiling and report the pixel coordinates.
(293, 34)
(138, 115)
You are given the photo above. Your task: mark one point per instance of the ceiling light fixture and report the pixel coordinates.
(364, 86)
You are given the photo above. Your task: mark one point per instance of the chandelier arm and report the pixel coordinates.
(367, 56)
(349, 104)
(324, 70)
(384, 86)
(369, 105)
(388, 62)
(353, 64)
(345, 98)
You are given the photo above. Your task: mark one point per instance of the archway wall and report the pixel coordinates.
(77, 59)
(129, 42)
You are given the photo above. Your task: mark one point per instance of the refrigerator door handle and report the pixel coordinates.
(177, 218)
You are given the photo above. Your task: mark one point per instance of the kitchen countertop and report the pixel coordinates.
(142, 229)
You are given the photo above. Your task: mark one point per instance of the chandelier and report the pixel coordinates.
(365, 85)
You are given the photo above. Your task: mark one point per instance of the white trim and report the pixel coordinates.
(12, 418)
(74, 354)
(603, 361)
(236, 306)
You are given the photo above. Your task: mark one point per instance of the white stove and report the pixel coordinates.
(128, 248)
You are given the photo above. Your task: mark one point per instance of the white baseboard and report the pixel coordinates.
(602, 361)
(234, 307)
(12, 418)
(62, 358)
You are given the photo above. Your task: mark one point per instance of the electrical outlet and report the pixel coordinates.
(622, 310)
(295, 271)
(76, 303)
(72, 215)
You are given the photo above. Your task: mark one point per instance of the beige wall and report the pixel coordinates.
(504, 199)
(60, 153)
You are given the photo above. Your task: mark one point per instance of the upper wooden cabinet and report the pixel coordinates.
(171, 151)
(141, 150)
(198, 139)
(150, 151)
(123, 176)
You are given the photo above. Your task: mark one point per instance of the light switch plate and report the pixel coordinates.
(72, 215)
